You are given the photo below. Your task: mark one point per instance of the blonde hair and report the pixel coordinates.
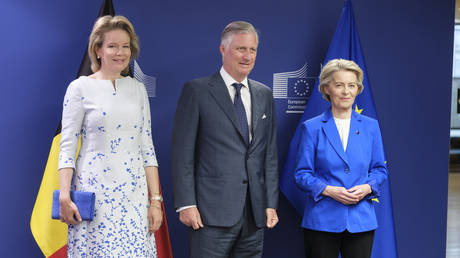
(336, 65)
(96, 39)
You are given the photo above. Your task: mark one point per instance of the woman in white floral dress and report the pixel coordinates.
(117, 159)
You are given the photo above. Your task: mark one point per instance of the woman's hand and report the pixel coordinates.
(68, 211)
(360, 191)
(341, 195)
(155, 212)
(155, 216)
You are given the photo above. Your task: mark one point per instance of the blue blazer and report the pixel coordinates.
(321, 161)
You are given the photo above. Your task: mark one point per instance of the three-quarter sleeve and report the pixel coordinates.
(72, 119)
(148, 150)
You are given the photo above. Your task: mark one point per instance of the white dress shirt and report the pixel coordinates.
(245, 94)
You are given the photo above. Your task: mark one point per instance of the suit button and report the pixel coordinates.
(245, 181)
(347, 170)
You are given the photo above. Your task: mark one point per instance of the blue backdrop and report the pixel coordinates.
(408, 50)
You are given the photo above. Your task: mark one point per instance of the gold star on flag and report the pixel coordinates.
(358, 110)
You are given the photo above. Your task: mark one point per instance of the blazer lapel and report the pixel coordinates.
(355, 131)
(219, 91)
(332, 134)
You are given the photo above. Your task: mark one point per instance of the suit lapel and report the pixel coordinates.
(219, 91)
(256, 110)
(332, 134)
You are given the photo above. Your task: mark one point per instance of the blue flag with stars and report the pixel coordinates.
(345, 44)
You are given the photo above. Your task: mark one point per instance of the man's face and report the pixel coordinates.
(240, 55)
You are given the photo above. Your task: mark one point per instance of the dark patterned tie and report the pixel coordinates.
(240, 112)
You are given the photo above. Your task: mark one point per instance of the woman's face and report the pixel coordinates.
(342, 90)
(115, 51)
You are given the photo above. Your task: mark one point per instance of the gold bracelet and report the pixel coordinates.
(156, 197)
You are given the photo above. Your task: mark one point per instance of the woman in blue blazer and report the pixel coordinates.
(341, 167)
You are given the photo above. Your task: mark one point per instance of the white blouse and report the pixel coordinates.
(343, 126)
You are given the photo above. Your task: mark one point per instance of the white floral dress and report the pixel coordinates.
(116, 144)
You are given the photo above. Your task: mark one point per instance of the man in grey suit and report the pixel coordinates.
(225, 165)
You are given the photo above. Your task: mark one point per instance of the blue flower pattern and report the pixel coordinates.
(116, 145)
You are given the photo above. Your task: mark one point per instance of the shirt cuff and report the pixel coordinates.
(184, 208)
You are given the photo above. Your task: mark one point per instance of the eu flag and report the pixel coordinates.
(345, 44)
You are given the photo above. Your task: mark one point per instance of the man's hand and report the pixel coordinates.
(341, 195)
(191, 218)
(360, 191)
(272, 217)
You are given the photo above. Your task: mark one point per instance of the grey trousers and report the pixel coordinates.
(242, 240)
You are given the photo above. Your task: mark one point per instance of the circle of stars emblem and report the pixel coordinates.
(301, 87)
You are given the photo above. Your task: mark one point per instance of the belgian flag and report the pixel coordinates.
(51, 235)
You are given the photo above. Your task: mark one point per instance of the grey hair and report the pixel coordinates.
(237, 27)
(336, 65)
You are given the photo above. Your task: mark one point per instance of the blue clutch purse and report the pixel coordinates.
(83, 200)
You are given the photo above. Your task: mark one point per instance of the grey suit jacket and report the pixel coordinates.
(212, 166)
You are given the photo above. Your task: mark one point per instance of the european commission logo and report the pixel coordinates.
(150, 82)
(295, 87)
